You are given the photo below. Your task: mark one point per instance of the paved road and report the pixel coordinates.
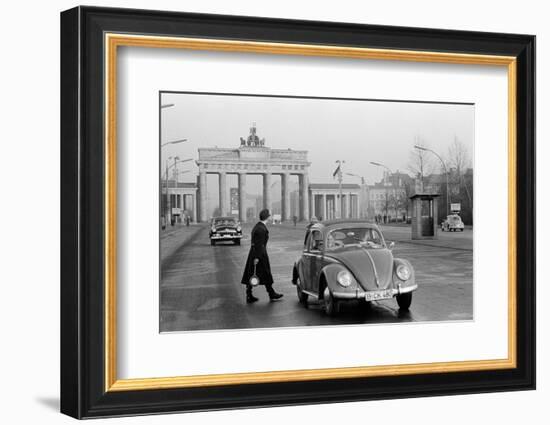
(200, 287)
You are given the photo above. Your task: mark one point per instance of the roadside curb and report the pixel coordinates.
(431, 244)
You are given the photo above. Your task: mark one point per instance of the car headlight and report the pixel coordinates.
(239, 228)
(403, 272)
(344, 278)
(213, 229)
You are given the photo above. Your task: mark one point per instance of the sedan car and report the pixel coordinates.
(225, 229)
(453, 223)
(346, 260)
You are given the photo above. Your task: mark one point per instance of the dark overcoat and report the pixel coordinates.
(258, 249)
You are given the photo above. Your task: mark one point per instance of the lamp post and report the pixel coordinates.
(168, 203)
(173, 142)
(174, 165)
(361, 197)
(357, 175)
(422, 148)
(378, 164)
(340, 178)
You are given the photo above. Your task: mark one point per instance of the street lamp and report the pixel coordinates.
(422, 148)
(378, 164)
(168, 203)
(339, 172)
(362, 195)
(356, 175)
(176, 162)
(173, 142)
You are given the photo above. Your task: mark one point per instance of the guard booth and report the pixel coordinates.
(424, 216)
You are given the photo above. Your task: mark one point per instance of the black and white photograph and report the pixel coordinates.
(288, 211)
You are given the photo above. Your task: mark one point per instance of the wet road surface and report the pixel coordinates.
(201, 290)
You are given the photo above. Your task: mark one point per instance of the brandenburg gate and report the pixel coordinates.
(253, 157)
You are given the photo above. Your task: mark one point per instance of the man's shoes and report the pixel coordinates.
(275, 296)
(251, 299)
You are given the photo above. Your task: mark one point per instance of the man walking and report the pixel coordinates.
(262, 268)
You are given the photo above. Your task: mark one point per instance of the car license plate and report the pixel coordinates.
(227, 236)
(378, 295)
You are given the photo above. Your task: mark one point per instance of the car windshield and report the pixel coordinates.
(454, 219)
(224, 222)
(365, 237)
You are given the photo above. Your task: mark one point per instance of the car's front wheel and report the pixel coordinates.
(212, 242)
(302, 296)
(331, 304)
(404, 300)
(237, 241)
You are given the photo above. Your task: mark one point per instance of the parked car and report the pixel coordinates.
(453, 223)
(225, 229)
(347, 260)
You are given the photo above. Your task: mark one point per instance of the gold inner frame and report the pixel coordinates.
(113, 41)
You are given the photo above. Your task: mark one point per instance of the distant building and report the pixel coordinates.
(179, 199)
(460, 191)
(325, 201)
(390, 196)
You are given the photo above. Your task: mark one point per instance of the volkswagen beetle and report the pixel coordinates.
(453, 223)
(347, 260)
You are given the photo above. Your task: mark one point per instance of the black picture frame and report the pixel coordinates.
(83, 392)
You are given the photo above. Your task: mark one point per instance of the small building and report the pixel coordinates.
(325, 202)
(181, 200)
(388, 198)
(424, 216)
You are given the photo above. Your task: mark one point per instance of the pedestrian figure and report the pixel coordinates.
(261, 269)
(294, 219)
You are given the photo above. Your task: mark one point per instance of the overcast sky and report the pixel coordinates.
(355, 131)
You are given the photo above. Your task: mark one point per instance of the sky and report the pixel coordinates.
(355, 131)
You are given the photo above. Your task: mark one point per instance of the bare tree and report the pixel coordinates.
(404, 201)
(459, 159)
(458, 156)
(420, 162)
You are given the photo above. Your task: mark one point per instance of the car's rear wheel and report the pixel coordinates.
(302, 296)
(404, 300)
(331, 304)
